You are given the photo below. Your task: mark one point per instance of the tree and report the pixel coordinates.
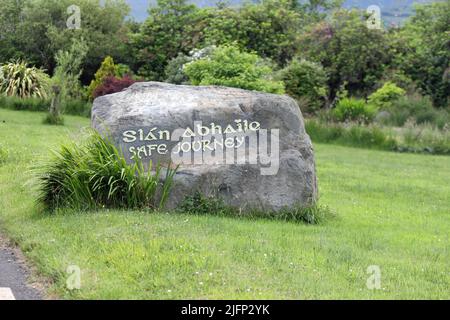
(10, 19)
(351, 54)
(423, 50)
(228, 66)
(110, 78)
(37, 29)
(270, 27)
(306, 82)
(107, 69)
(65, 81)
(173, 27)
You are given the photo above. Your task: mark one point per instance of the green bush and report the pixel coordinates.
(175, 72)
(199, 204)
(351, 109)
(306, 82)
(418, 108)
(95, 175)
(384, 97)
(228, 66)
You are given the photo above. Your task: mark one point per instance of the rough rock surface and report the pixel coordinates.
(129, 116)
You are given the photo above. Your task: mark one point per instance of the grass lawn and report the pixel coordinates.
(393, 211)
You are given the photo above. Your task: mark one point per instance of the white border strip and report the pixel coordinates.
(6, 294)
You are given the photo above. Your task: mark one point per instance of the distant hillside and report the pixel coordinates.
(393, 11)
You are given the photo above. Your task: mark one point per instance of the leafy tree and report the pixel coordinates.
(306, 82)
(37, 29)
(173, 27)
(65, 81)
(69, 68)
(270, 27)
(423, 50)
(351, 53)
(228, 66)
(10, 19)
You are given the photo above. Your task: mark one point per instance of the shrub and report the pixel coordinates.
(418, 108)
(174, 71)
(122, 70)
(19, 80)
(354, 110)
(384, 97)
(113, 85)
(95, 175)
(228, 66)
(306, 82)
(400, 78)
(107, 69)
(199, 204)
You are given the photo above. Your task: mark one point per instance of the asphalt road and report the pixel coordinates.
(14, 275)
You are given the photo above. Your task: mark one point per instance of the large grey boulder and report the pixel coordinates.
(249, 148)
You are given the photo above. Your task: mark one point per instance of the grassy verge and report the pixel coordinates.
(71, 107)
(411, 138)
(393, 211)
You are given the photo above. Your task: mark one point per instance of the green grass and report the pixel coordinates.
(393, 211)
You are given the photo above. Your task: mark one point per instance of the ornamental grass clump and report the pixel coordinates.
(95, 175)
(17, 79)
